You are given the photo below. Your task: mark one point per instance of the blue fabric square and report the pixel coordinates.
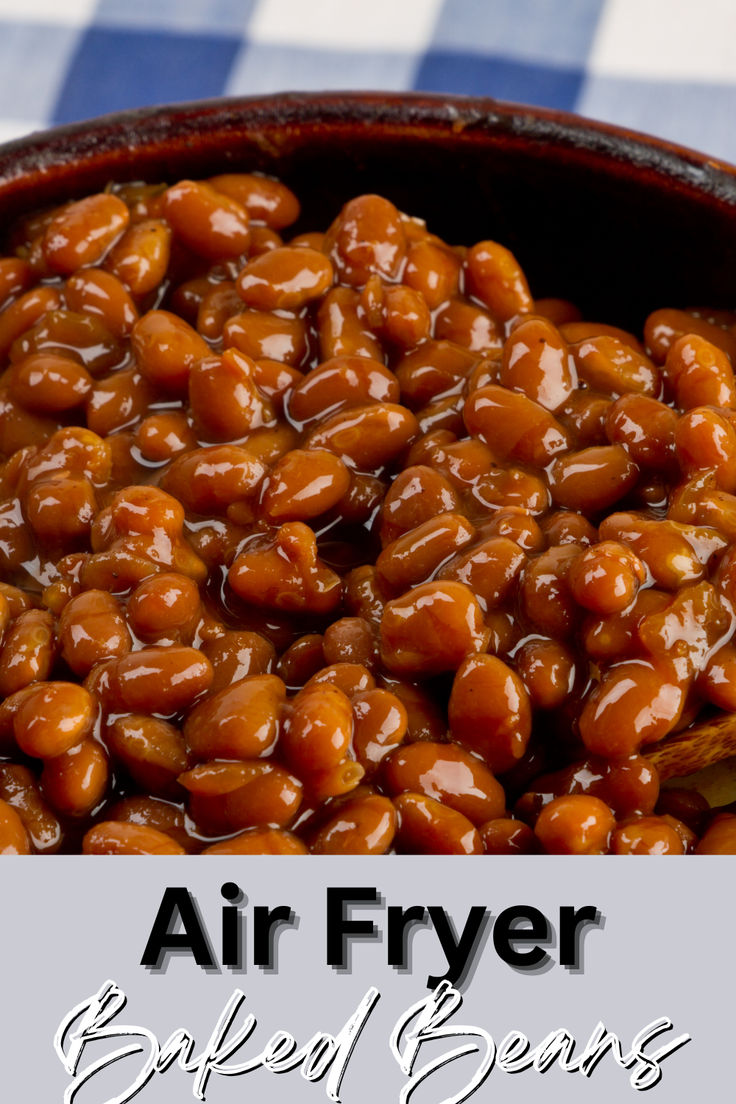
(117, 69)
(203, 16)
(500, 77)
(548, 33)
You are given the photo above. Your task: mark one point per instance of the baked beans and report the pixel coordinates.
(341, 542)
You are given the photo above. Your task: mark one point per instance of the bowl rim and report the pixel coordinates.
(279, 120)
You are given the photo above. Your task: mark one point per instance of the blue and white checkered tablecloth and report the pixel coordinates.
(667, 67)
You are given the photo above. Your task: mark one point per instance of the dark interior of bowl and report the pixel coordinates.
(619, 224)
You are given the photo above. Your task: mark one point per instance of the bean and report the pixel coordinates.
(259, 841)
(380, 723)
(20, 789)
(227, 797)
(489, 711)
(60, 510)
(720, 837)
(430, 629)
(367, 236)
(260, 334)
(575, 824)
(671, 551)
(592, 479)
(153, 812)
(74, 783)
(224, 398)
(366, 437)
(301, 660)
(118, 401)
(236, 654)
(705, 440)
(448, 774)
(577, 331)
(351, 678)
(163, 604)
(166, 349)
(584, 416)
(287, 575)
(140, 257)
(20, 315)
(13, 836)
(339, 382)
(605, 578)
(350, 640)
(611, 365)
(428, 827)
(98, 292)
(112, 837)
(546, 595)
(304, 484)
(264, 198)
(82, 232)
(239, 722)
(433, 369)
(645, 428)
(490, 568)
(417, 494)
(364, 826)
(629, 786)
(414, 556)
(209, 222)
(49, 383)
(506, 836)
(637, 702)
(152, 751)
(468, 325)
(159, 679)
(688, 629)
(219, 303)
(496, 278)
(84, 337)
(92, 628)
(28, 651)
(718, 680)
(433, 271)
(514, 426)
(343, 328)
(16, 276)
(547, 669)
(163, 436)
(53, 717)
(285, 278)
(210, 479)
(646, 836)
(518, 525)
(663, 329)
(536, 362)
(405, 319)
(318, 729)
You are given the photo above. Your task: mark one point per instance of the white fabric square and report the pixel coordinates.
(71, 13)
(394, 25)
(18, 128)
(666, 39)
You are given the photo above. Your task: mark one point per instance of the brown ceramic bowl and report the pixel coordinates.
(618, 222)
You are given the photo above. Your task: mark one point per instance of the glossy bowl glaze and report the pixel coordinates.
(618, 222)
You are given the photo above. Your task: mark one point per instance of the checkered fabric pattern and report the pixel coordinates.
(667, 67)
